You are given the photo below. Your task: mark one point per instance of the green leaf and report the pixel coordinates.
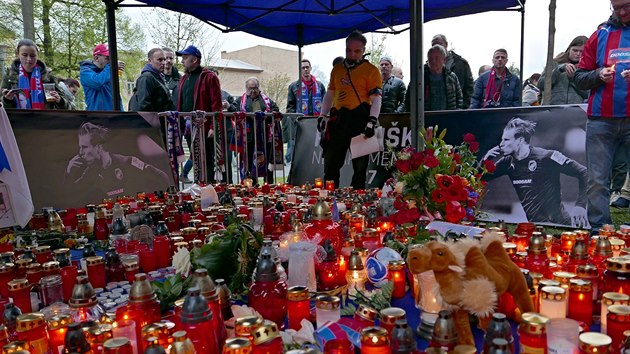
(176, 290)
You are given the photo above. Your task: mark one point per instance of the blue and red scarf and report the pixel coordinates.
(32, 94)
(311, 89)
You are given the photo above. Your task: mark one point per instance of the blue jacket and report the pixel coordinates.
(510, 91)
(97, 87)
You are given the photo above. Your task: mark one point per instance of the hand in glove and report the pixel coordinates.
(321, 123)
(369, 128)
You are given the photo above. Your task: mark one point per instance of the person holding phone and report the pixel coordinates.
(25, 85)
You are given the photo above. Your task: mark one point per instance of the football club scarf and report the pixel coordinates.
(493, 93)
(32, 94)
(259, 162)
(199, 146)
(313, 88)
(174, 145)
(219, 143)
(275, 136)
(238, 142)
(264, 97)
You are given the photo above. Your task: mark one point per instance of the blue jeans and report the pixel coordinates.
(603, 139)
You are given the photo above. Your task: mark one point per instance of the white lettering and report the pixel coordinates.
(522, 181)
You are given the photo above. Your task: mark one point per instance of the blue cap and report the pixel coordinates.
(190, 50)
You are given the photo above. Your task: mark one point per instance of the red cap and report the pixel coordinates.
(101, 49)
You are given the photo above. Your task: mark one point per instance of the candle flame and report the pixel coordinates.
(342, 260)
(374, 340)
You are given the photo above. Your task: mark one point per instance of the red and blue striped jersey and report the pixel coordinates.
(609, 45)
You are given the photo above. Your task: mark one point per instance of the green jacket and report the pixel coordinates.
(10, 81)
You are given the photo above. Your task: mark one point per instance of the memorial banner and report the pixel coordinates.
(74, 158)
(540, 178)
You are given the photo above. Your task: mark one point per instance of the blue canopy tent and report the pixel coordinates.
(304, 22)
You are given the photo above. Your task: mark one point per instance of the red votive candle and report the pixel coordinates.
(581, 301)
(96, 271)
(68, 279)
(20, 292)
(374, 340)
(298, 306)
(396, 275)
(618, 320)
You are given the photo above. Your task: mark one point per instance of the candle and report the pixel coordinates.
(566, 241)
(267, 340)
(330, 185)
(617, 275)
(298, 306)
(237, 345)
(617, 244)
(553, 302)
(618, 320)
(562, 335)
(389, 316)
(57, 328)
(7, 273)
(20, 291)
(118, 345)
(532, 333)
(374, 340)
(356, 274)
(594, 343)
(357, 221)
(97, 335)
(338, 346)
(31, 327)
(581, 301)
(246, 325)
(396, 275)
(96, 271)
(327, 309)
(365, 315)
(371, 240)
(610, 299)
(319, 183)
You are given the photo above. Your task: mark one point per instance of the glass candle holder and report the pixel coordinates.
(553, 302)
(370, 239)
(31, 327)
(396, 274)
(245, 326)
(20, 292)
(51, 290)
(610, 299)
(532, 333)
(594, 343)
(123, 329)
(338, 346)
(330, 185)
(319, 183)
(374, 340)
(562, 335)
(267, 340)
(618, 320)
(580, 301)
(327, 309)
(298, 306)
(96, 271)
(567, 239)
(357, 221)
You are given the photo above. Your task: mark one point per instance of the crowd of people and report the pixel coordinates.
(359, 91)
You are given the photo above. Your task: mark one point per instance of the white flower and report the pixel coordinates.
(398, 188)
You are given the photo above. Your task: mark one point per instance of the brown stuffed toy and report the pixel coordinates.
(471, 276)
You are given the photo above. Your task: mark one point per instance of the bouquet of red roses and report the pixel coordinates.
(439, 182)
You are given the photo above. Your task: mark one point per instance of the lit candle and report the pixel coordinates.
(57, 328)
(581, 301)
(319, 183)
(611, 299)
(566, 241)
(594, 343)
(553, 302)
(396, 275)
(330, 185)
(357, 221)
(617, 244)
(374, 341)
(356, 274)
(371, 239)
(237, 345)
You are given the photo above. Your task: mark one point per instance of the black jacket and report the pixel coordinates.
(461, 68)
(393, 95)
(151, 93)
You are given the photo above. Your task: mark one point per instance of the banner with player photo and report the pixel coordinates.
(74, 158)
(547, 186)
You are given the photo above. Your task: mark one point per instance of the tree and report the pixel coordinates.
(29, 20)
(376, 48)
(276, 88)
(177, 31)
(515, 70)
(550, 44)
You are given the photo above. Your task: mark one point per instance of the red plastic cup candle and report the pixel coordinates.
(20, 292)
(396, 275)
(365, 315)
(594, 343)
(338, 346)
(57, 328)
(389, 316)
(611, 299)
(237, 345)
(374, 340)
(618, 321)
(319, 183)
(267, 340)
(532, 333)
(68, 279)
(131, 269)
(31, 328)
(298, 306)
(96, 271)
(567, 239)
(7, 273)
(581, 301)
(330, 185)
(357, 221)
(617, 275)
(118, 345)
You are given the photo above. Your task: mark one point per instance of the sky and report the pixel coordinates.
(475, 37)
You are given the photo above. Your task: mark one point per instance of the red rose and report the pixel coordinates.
(469, 138)
(403, 166)
(444, 181)
(431, 161)
(489, 166)
(474, 146)
(457, 194)
(439, 196)
(454, 212)
(457, 158)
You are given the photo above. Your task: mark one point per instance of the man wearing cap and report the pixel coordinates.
(95, 77)
(151, 94)
(305, 96)
(199, 89)
(393, 88)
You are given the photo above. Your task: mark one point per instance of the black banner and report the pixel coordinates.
(73, 158)
(559, 129)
